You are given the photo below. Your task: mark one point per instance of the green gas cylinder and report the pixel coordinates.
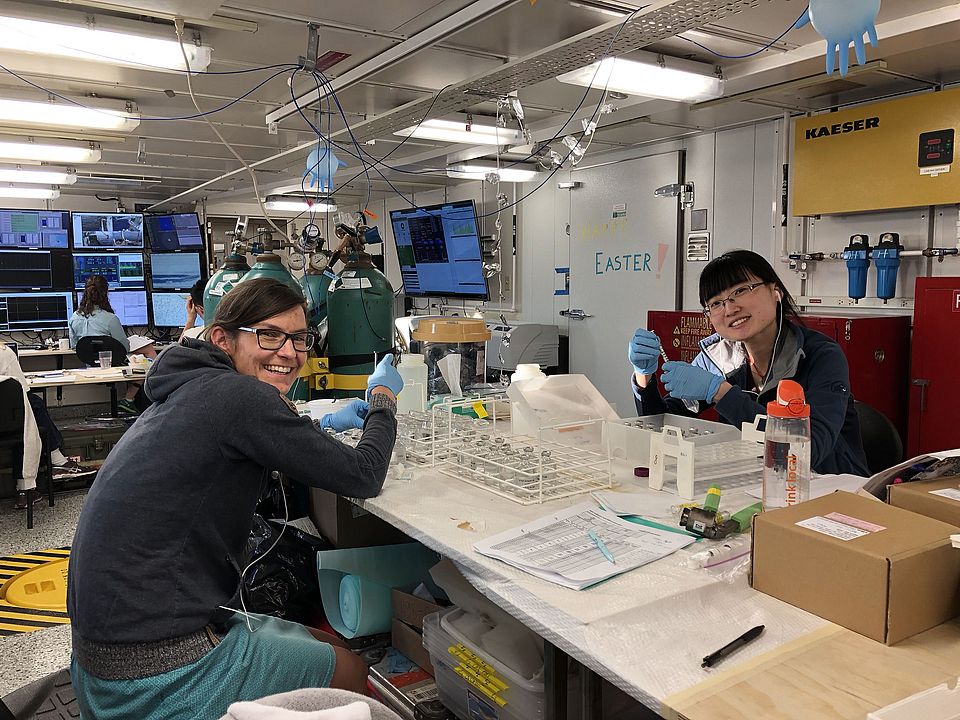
(359, 317)
(315, 285)
(269, 265)
(234, 267)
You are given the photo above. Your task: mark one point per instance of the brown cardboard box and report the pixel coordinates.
(894, 575)
(411, 610)
(410, 642)
(918, 497)
(349, 526)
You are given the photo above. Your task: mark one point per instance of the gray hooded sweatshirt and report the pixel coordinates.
(161, 539)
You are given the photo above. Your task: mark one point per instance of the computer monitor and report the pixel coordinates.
(122, 270)
(439, 251)
(169, 233)
(38, 269)
(170, 309)
(174, 271)
(34, 229)
(130, 306)
(33, 312)
(107, 231)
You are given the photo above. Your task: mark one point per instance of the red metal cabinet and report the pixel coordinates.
(934, 390)
(877, 350)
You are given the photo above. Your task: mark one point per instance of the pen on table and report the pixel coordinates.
(601, 546)
(751, 634)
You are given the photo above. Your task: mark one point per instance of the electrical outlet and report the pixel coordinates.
(507, 283)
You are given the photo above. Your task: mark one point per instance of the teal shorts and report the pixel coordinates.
(279, 656)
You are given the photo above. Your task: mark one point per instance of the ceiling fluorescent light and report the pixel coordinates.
(462, 131)
(29, 193)
(479, 171)
(88, 42)
(646, 79)
(36, 176)
(60, 114)
(50, 152)
(282, 203)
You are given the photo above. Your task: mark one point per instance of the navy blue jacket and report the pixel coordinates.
(806, 356)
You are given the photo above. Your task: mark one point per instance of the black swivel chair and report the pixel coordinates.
(881, 441)
(90, 347)
(11, 439)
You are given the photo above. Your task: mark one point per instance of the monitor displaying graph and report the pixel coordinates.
(121, 270)
(48, 229)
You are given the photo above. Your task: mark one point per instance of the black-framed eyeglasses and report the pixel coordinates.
(718, 305)
(271, 339)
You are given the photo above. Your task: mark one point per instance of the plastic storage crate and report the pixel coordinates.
(472, 684)
(630, 437)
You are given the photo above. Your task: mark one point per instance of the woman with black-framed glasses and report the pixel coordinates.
(759, 341)
(157, 563)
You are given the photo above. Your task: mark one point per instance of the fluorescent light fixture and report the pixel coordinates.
(479, 171)
(82, 42)
(282, 203)
(646, 79)
(30, 193)
(34, 176)
(456, 131)
(49, 152)
(60, 114)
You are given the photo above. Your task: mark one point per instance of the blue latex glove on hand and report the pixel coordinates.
(348, 417)
(688, 382)
(385, 375)
(643, 352)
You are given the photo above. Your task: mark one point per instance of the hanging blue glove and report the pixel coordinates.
(688, 382)
(348, 417)
(643, 352)
(385, 375)
(841, 22)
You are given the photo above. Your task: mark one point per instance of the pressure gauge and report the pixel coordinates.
(296, 261)
(311, 231)
(319, 261)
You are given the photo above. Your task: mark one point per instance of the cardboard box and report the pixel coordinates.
(346, 525)
(938, 499)
(878, 570)
(411, 610)
(410, 642)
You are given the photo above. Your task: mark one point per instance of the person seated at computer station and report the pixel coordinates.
(194, 311)
(95, 315)
(36, 420)
(759, 341)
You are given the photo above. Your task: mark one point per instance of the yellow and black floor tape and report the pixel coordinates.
(16, 619)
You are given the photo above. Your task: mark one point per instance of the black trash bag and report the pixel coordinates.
(284, 582)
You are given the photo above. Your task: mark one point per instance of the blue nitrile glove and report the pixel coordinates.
(688, 382)
(346, 418)
(643, 352)
(385, 375)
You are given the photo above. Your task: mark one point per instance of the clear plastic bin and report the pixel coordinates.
(630, 437)
(472, 684)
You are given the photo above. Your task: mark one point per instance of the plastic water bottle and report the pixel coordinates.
(786, 461)
(413, 370)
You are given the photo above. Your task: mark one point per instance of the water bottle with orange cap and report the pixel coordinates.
(786, 462)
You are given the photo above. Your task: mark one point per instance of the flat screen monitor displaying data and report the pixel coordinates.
(122, 270)
(169, 233)
(170, 309)
(37, 269)
(33, 312)
(439, 251)
(107, 231)
(34, 229)
(175, 271)
(130, 306)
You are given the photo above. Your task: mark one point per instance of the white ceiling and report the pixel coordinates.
(500, 49)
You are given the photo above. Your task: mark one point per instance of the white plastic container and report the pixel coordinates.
(939, 703)
(413, 370)
(522, 420)
(786, 459)
(471, 682)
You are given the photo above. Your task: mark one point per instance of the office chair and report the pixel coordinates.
(89, 349)
(881, 441)
(11, 438)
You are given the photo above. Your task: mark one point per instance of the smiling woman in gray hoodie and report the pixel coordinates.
(159, 551)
